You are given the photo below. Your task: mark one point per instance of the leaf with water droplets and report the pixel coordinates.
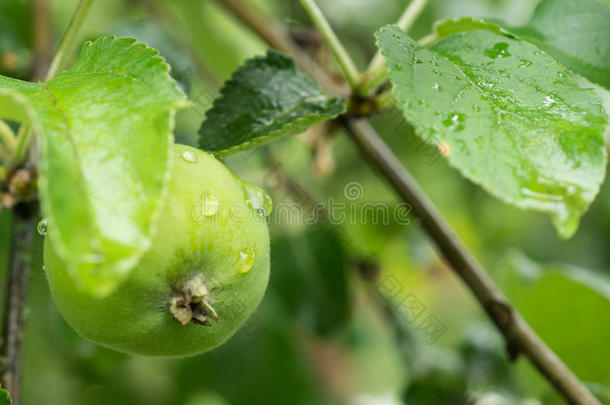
(526, 137)
(266, 98)
(105, 132)
(576, 33)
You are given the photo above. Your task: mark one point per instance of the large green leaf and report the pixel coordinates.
(105, 131)
(558, 300)
(506, 115)
(266, 98)
(576, 33)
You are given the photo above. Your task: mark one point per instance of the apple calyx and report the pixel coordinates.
(190, 304)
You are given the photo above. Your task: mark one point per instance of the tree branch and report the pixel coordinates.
(518, 334)
(24, 223)
(41, 38)
(16, 297)
(279, 38)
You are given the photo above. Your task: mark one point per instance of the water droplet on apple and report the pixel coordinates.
(189, 156)
(258, 199)
(246, 259)
(209, 205)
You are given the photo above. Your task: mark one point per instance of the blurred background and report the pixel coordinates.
(359, 311)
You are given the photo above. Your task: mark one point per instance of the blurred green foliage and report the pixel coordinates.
(325, 334)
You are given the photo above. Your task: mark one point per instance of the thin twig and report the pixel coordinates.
(69, 38)
(376, 73)
(336, 47)
(278, 38)
(16, 297)
(518, 334)
(41, 38)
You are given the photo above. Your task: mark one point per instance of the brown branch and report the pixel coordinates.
(518, 334)
(277, 37)
(16, 297)
(41, 38)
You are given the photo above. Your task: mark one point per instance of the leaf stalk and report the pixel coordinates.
(338, 50)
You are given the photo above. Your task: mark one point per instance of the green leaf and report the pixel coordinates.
(265, 99)
(506, 115)
(576, 33)
(105, 131)
(445, 28)
(5, 398)
(556, 299)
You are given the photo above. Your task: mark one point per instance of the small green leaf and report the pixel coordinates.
(105, 131)
(266, 98)
(444, 28)
(506, 115)
(576, 33)
(5, 398)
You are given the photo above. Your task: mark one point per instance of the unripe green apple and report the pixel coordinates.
(205, 273)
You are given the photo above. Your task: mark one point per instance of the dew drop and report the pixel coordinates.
(189, 156)
(549, 101)
(245, 261)
(436, 87)
(42, 227)
(455, 121)
(525, 63)
(546, 197)
(500, 50)
(258, 199)
(95, 258)
(209, 205)
(418, 61)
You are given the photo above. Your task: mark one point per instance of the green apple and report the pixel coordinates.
(204, 274)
